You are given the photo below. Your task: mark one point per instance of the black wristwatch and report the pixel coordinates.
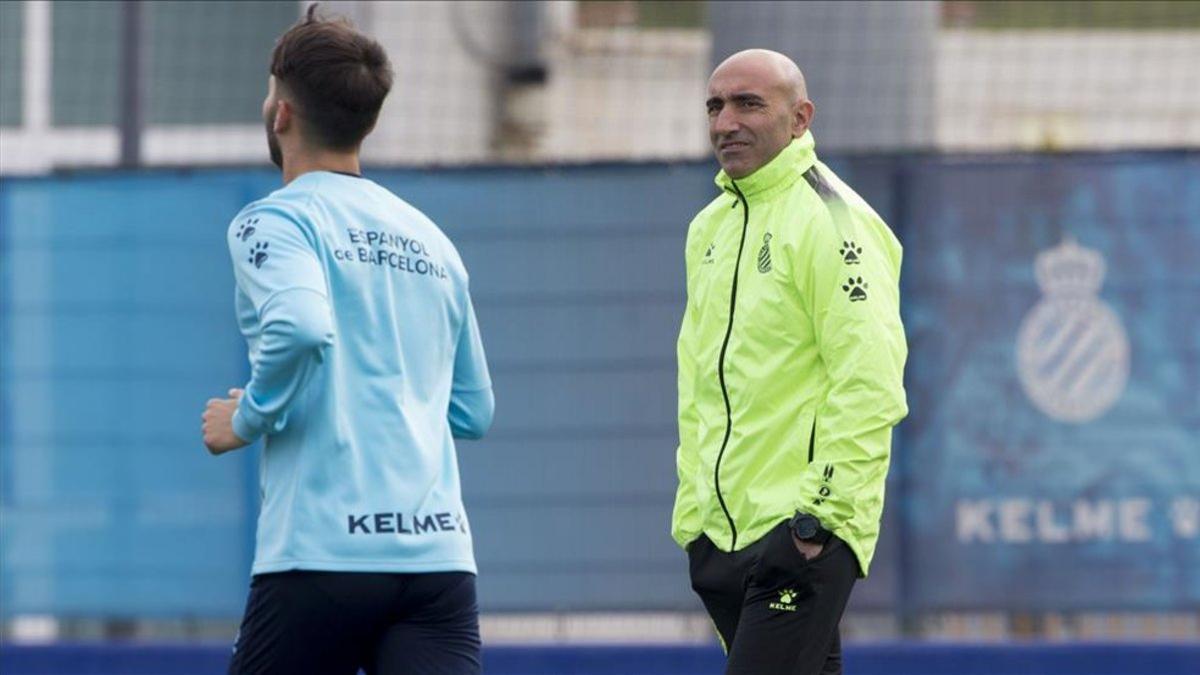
(807, 527)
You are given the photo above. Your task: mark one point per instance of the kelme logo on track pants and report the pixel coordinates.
(787, 599)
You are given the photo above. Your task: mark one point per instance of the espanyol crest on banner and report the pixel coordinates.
(1072, 352)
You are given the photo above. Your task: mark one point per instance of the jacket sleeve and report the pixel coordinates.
(686, 522)
(277, 270)
(855, 310)
(471, 400)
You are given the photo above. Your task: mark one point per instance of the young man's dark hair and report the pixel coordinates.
(337, 76)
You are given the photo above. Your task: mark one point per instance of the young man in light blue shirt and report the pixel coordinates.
(366, 364)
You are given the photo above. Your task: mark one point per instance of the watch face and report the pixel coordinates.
(805, 528)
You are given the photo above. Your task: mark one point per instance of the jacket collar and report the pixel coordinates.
(791, 163)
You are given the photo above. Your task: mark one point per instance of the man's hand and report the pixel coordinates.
(808, 549)
(218, 424)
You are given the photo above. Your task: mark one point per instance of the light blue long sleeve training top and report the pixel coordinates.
(366, 363)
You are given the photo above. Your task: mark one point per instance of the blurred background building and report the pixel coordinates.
(1040, 161)
(488, 82)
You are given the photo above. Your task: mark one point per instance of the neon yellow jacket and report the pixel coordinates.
(791, 358)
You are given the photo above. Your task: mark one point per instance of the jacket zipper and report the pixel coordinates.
(812, 441)
(721, 368)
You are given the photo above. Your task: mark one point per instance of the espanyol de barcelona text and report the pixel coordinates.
(390, 250)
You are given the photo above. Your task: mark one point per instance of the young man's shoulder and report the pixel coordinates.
(305, 205)
(277, 210)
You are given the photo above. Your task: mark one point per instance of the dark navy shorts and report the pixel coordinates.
(335, 623)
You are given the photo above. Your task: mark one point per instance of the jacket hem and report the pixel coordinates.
(364, 566)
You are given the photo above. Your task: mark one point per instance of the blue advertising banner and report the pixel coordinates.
(1051, 459)
(1053, 451)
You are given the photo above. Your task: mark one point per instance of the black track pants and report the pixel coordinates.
(777, 612)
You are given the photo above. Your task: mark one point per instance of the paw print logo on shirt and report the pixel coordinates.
(247, 229)
(258, 254)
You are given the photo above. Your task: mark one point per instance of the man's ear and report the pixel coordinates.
(284, 116)
(802, 116)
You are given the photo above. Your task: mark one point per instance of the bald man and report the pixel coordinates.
(791, 361)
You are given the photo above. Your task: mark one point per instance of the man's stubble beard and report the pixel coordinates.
(273, 142)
